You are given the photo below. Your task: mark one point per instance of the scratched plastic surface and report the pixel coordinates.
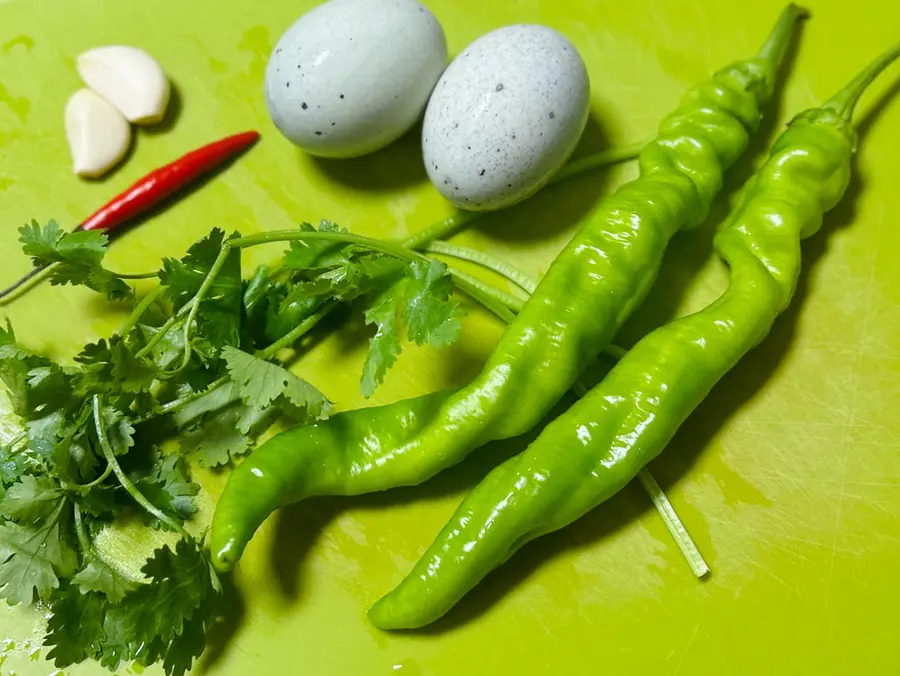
(788, 477)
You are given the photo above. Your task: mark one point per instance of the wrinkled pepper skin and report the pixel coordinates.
(312, 460)
(590, 289)
(600, 444)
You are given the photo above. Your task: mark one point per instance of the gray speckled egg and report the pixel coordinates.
(350, 76)
(505, 115)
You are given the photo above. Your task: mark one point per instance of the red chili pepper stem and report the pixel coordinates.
(155, 187)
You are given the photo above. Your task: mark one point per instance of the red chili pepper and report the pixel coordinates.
(159, 184)
(156, 186)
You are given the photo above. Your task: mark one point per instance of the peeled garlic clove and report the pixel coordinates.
(98, 134)
(130, 79)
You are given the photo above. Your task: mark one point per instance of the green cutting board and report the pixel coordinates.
(788, 477)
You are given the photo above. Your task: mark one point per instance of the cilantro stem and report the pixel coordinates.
(382, 245)
(467, 283)
(154, 341)
(458, 221)
(510, 272)
(80, 533)
(129, 487)
(298, 331)
(140, 309)
(442, 229)
(286, 340)
(676, 528)
(217, 266)
(138, 275)
(599, 160)
(96, 482)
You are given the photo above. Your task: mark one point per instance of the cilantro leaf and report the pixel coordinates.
(384, 346)
(173, 612)
(168, 350)
(76, 256)
(182, 278)
(30, 380)
(419, 305)
(14, 465)
(429, 314)
(218, 439)
(119, 430)
(313, 253)
(167, 484)
(111, 367)
(164, 620)
(31, 498)
(99, 576)
(50, 244)
(219, 316)
(262, 382)
(34, 557)
(75, 629)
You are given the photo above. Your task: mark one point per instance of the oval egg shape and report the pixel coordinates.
(351, 76)
(505, 116)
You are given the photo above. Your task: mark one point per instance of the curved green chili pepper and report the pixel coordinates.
(588, 292)
(594, 449)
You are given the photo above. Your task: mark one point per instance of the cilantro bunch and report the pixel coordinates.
(191, 377)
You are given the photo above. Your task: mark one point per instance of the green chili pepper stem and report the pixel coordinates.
(844, 102)
(775, 46)
(453, 224)
(129, 487)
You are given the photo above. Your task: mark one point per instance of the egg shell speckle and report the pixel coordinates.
(351, 76)
(505, 116)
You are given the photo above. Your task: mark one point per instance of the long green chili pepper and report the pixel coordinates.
(588, 292)
(594, 449)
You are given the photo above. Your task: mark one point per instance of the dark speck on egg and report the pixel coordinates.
(482, 172)
(499, 87)
(318, 133)
(287, 85)
(304, 106)
(552, 115)
(342, 96)
(333, 123)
